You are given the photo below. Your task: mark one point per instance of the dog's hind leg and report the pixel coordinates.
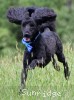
(56, 66)
(61, 58)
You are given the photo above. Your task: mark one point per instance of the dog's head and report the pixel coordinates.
(29, 29)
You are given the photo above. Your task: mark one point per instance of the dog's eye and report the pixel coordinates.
(24, 24)
(32, 25)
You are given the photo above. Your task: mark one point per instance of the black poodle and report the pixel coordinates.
(39, 37)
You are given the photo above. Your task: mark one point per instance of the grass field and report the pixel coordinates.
(42, 84)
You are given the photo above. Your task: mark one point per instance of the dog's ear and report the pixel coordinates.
(16, 15)
(44, 14)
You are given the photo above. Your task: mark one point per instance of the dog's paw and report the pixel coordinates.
(57, 67)
(66, 73)
(22, 87)
(20, 91)
(30, 68)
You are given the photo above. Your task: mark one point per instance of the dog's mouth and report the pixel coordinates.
(27, 37)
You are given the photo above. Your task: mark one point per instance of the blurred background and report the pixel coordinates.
(11, 35)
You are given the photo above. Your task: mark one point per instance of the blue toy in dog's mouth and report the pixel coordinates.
(27, 43)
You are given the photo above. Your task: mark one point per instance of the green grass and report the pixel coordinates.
(42, 84)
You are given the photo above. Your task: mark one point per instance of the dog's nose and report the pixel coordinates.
(27, 35)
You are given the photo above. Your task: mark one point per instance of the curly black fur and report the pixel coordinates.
(39, 14)
(17, 14)
(46, 45)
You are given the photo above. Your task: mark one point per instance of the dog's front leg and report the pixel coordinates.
(24, 70)
(35, 63)
(23, 79)
(32, 65)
